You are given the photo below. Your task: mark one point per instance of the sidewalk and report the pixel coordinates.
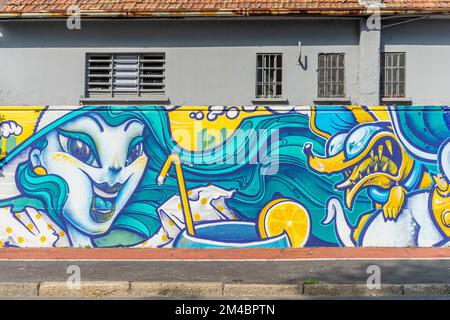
(223, 273)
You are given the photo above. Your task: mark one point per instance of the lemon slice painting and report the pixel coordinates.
(285, 215)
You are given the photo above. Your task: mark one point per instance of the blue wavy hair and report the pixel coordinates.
(253, 189)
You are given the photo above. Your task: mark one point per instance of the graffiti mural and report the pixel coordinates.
(224, 176)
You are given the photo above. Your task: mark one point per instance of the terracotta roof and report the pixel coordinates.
(56, 8)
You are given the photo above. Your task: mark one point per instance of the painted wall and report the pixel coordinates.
(224, 176)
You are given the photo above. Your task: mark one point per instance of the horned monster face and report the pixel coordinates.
(367, 155)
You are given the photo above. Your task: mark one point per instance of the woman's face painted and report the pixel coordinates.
(102, 165)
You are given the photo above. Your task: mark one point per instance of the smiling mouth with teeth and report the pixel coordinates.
(103, 205)
(380, 167)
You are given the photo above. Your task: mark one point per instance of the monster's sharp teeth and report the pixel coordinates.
(376, 167)
(372, 154)
(345, 184)
(380, 151)
(360, 176)
(389, 146)
(368, 170)
(385, 166)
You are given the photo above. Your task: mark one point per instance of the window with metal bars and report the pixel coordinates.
(125, 74)
(269, 72)
(331, 75)
(392, 75)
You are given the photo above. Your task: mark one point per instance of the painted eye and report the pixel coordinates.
(78, 149)
(359, 139)
(135, 153)
(336, 144)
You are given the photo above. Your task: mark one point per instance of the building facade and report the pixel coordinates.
(343, 53)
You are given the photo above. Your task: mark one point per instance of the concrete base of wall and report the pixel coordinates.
(102, 289)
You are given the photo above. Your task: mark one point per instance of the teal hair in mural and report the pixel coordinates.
(146, 141)
(254, 187)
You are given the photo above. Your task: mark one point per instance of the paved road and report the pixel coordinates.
(282, 272)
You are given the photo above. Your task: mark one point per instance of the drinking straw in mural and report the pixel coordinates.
(229, 234)
(89, 177)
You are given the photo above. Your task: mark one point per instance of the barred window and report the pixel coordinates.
(125, 74)
(331, 75)
(269, 71)
(392, 75)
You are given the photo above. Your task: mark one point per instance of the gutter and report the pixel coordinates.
(224, 13)
(170, 14)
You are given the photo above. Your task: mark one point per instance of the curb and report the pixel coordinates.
(88, 289)
(101, 289)
(352, 290)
